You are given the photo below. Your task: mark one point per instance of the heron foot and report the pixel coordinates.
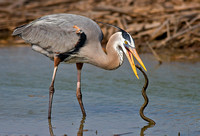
(78, 31)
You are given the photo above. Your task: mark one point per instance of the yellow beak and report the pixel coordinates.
(129, 54)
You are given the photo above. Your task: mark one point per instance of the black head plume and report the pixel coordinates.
(125, 35)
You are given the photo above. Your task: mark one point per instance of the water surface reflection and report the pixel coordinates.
(81, 129)
(112, 98)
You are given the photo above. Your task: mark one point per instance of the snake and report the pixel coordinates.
(146, 100)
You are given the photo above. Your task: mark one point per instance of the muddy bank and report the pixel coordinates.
(169, 27)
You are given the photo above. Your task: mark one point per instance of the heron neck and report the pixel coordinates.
(112, 57)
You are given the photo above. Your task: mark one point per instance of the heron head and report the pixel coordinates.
(128, 47)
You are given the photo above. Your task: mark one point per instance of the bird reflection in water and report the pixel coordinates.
(79, 133)
(81, 130)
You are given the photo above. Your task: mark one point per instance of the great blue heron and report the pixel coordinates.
(77, 39)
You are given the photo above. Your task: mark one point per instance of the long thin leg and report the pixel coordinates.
(51, 88)
(78, 90)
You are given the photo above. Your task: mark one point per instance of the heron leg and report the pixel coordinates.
(78, 90)
(51, 88)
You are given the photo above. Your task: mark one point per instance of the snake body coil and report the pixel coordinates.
(146, 100)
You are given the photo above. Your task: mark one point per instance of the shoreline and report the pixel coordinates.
(166, 55)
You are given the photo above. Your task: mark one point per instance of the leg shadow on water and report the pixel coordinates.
(79, 133)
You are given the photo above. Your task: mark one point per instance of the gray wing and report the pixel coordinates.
(51, 33)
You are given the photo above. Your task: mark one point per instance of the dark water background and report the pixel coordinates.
(112, 99)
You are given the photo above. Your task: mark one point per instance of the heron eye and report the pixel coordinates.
(125, 42)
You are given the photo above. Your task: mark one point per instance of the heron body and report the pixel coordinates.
(76, 39)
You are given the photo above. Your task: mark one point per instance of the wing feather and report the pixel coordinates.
(55, 33)
(49, 35)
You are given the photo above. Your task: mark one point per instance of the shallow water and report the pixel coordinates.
(112, 99)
